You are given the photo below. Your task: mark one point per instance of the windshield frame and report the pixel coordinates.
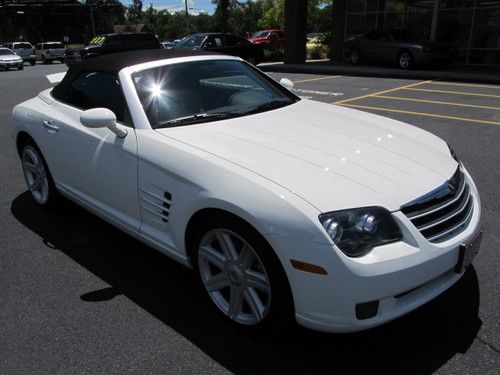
(138, 111)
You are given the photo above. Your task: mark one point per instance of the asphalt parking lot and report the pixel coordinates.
(78, 296)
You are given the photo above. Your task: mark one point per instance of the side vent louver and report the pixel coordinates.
(156, 204)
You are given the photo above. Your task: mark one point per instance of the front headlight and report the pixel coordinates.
(357, 231)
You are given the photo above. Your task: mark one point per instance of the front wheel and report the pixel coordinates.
(37, 176)
(241, 274)
(405, 60)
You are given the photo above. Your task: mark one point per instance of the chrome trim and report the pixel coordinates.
(446, 218)
(459, 196)
(448, 231)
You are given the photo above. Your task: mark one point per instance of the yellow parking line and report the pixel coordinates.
(452, 92)
(315, 79)
(382, 92)
(423, 114)
(463, 84)
(437, 102)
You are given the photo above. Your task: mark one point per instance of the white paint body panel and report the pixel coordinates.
(278, 170)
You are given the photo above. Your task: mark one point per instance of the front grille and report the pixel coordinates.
(443, 212)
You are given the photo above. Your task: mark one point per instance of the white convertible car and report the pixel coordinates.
(285, 208)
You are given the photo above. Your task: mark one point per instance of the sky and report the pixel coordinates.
(195, 6)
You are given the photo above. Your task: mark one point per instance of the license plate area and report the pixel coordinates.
(468, 251)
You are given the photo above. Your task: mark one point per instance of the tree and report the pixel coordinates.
(134, 12)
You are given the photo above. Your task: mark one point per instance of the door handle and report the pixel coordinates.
(50, 125)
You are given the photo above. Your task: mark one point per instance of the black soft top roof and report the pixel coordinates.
(114, 62)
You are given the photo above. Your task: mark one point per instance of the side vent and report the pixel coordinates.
(156, 204)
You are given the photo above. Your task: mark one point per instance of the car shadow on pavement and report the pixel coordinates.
(420, 342)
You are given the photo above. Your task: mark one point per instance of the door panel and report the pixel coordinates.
(93, 164)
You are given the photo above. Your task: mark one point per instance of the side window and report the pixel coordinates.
(232, 40)
(95, 89)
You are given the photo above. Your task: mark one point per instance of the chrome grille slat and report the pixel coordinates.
(443, 211)
(448, 203)
(450, 230)
(462, 206)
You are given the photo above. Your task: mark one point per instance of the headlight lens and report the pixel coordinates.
(357, 231)
(453, 154)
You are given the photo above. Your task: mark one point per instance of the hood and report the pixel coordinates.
(333, 157)
(10, 57)
(257, 40)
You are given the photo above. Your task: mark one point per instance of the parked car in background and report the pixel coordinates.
(9, 59)
(23, 49)
(50, 51)
(274, 37)
(227, 44)
(112, 43)
(167, 44)
(396, 45)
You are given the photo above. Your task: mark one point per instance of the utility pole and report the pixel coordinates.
(187, 16)
(92, 17)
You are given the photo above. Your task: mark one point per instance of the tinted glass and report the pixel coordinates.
(204, 88)
(260, 34)
(140, 41)
(191, 41)
(233, 40)
(22, 45)
(93, 90)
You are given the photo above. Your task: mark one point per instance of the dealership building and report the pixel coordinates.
(472, 26)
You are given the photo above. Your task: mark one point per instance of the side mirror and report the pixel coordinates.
(285, 82)
(101, 118)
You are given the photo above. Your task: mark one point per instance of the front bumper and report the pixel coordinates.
(401, 276)
(11, 64)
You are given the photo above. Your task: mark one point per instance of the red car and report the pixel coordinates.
(274, 37)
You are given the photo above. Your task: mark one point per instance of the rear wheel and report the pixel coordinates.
(241, 274)
(20, 67)
(37, 175)
(355, 56)
(252, 60)
(405, 60)
(32, 62)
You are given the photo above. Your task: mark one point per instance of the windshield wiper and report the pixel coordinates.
(199, 117)
(273, 104)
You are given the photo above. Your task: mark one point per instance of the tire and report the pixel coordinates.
(244, 279)
(37, 176)
(32, 62)
(44, 60)
(20, 67)
(355, 56)
(405, 60)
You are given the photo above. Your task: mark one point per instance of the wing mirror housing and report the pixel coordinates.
(102, 118)
(285, 82)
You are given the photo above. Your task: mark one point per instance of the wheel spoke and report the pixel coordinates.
(257, 280)
(216, 282)
(29, 167)
(36, 183)
(254, 302)
(226, 244)
(212, 256)
(235, 303)
(246, 257)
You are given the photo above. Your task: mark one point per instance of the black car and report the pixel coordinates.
(396, 45)
(227, 44)
(111, 43)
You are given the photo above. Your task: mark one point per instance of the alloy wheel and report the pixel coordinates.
(35, 175)
(404, 60)
(234, 276)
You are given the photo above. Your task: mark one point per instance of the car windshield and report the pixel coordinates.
(208, 90)
(191, 41)
(6, 51)
(54, 45)
(260, 34)
(22, 45)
